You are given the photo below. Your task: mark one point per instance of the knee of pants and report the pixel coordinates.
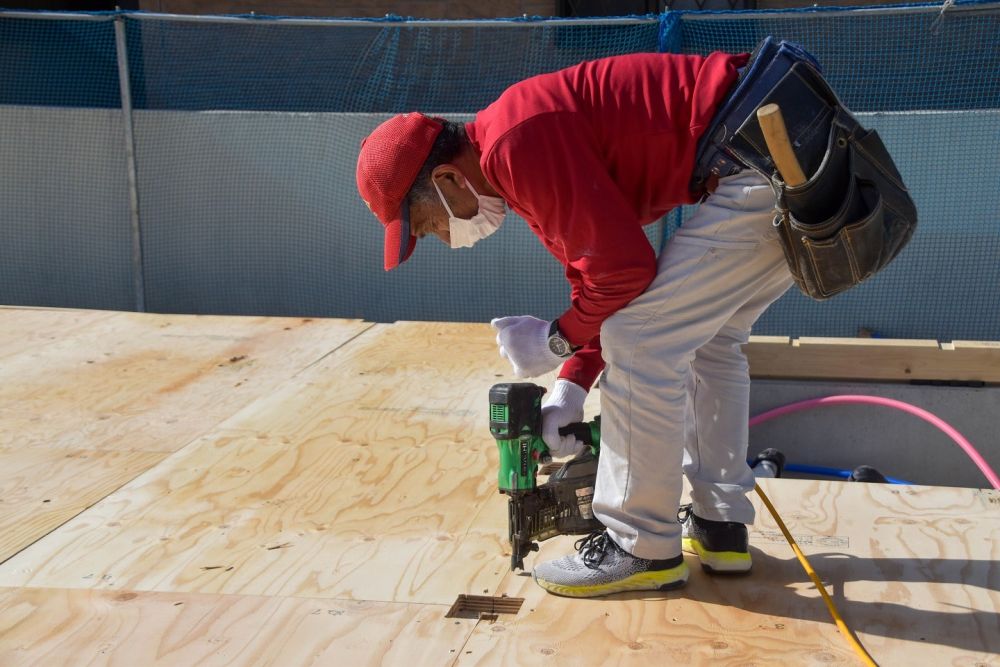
(722, 358)
(725, 348)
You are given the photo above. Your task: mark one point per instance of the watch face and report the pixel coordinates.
(559, 346)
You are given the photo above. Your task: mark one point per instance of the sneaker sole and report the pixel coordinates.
(659, 580)
(718, 562)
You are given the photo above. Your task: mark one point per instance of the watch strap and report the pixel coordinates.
(554, 331)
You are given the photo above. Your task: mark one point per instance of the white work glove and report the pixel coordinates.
(562, 407)
(524, 342)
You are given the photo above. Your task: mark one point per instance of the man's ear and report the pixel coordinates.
(448, 175)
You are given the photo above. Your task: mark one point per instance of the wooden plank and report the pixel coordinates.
(370, 475)
(873, 359)
(912, 570)
(41, 489)
(75, 627)
(151, 382)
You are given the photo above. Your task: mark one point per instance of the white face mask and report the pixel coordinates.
(464, 233)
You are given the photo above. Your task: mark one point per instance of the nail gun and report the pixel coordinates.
(562, 504)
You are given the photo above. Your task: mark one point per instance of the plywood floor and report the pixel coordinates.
(185, 490)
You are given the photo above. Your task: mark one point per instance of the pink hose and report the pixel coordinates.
(931, 418)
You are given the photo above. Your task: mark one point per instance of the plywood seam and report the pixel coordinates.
(155, 591)
(197, 437)
(371, 325)
(82, 510)
(461, 649)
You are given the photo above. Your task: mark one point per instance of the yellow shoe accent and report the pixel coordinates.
(718, 562)
(655, 580)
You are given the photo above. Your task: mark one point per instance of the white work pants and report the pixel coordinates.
(676, 388)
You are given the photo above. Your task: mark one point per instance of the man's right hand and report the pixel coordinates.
(562, 407)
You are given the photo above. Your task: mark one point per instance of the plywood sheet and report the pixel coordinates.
(370, 475)
(236, 513)
(366, 477)
(912, 570)
(150, 382)
(91, 399)
(41, 489)
(26, 328)
(409, 383)
(79, 627)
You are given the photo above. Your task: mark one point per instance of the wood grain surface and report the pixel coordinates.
(41, 489)
(150, 382)
(91, 399)
(54, 627)
(339, 508)
(363, 477)
(873, 359)
(26, 328)
(911, 569)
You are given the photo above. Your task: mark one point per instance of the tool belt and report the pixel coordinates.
(853, 214)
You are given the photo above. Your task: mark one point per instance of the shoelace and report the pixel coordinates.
(593, 548)
(684, 513)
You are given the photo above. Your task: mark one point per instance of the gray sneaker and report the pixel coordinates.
(601, 567)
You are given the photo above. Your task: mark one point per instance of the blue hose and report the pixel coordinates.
(832, 472)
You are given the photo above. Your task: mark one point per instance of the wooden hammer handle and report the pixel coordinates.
(772, 124)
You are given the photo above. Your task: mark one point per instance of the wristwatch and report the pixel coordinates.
(558, 345)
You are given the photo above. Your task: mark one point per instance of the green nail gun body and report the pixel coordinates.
(560, 506)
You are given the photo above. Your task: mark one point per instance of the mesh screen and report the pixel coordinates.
(247, 137)
(246, 134)
(64, 223)
(876, 60)
(360, 66)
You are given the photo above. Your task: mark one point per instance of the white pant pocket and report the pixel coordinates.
(716, 243)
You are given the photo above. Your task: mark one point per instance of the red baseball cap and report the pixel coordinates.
(388, 164)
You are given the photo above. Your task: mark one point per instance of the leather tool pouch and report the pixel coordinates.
(854, 214)
(850, 218)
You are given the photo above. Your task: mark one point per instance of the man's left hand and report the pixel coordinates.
(524, 342)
